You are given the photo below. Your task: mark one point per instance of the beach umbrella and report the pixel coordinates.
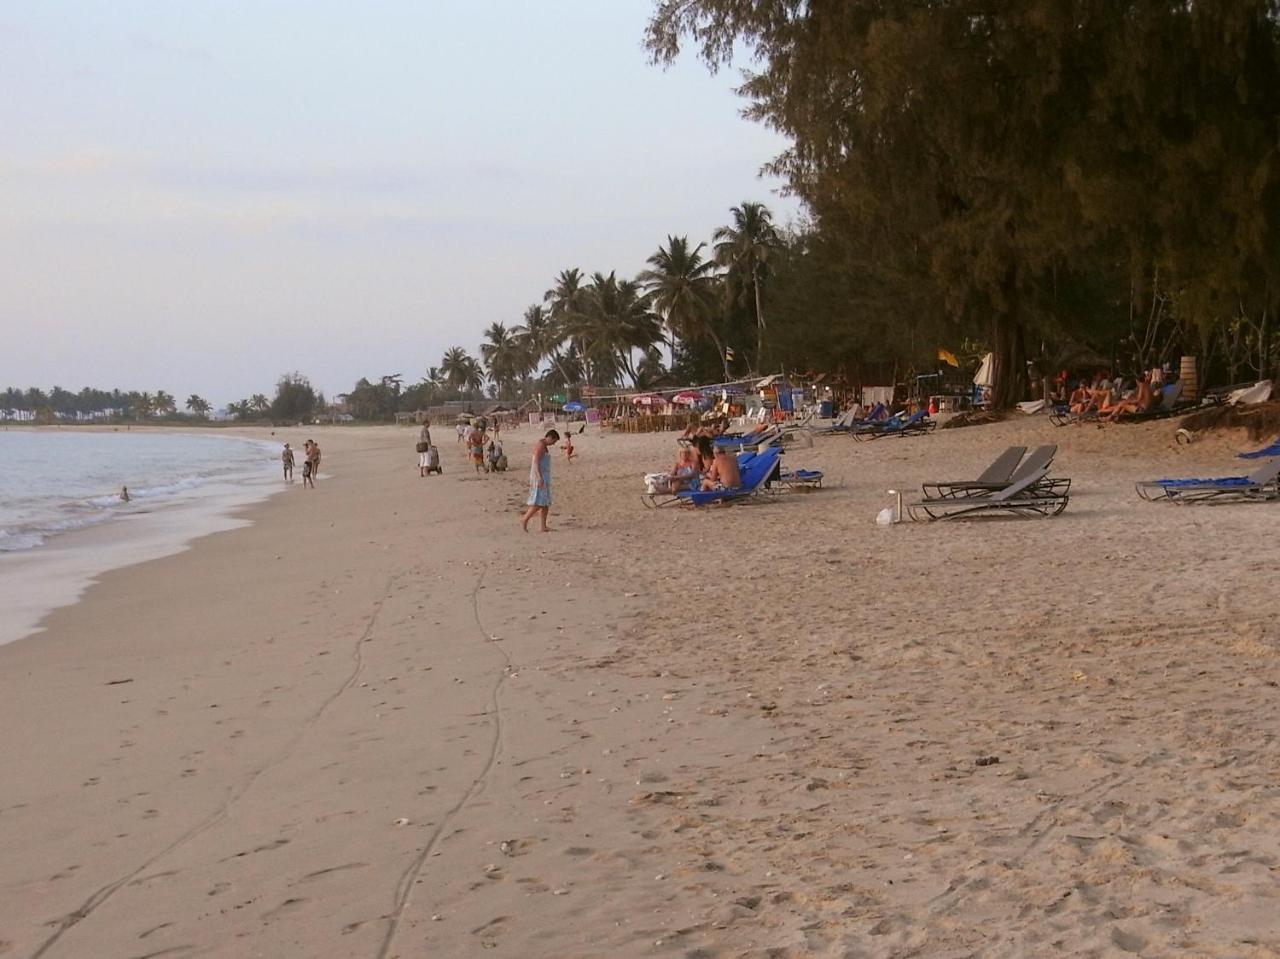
(648, 399)
(688, 398)
(573, 406)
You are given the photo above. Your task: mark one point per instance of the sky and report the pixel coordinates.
(198, 196)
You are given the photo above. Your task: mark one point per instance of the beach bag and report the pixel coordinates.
(421, 447)
(433, 459)
(657, 483)
(500, 464)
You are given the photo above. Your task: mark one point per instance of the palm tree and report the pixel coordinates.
(540, 338)
(613, 320)
(745, 248)
(259, 403)
(164, 403)
(682, 288)
(198, 405)
(565, 297)
(460, 369)
(503, 354)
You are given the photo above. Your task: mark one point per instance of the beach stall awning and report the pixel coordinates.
(573, 406)
(768, 381)
(648, 399)
(687, 398)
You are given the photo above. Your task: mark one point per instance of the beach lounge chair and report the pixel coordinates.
(658, 493)
(758, 471)
(1272, 449)
(1037, 463)
(801, 478)
(915, 424)
(752, 440)
(1168, 405)
(1260, 485)
(1026, 496)
(994, 476)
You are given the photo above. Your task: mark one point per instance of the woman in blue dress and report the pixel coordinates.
(540, 481)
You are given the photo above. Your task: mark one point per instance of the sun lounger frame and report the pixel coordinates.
(1260, 486)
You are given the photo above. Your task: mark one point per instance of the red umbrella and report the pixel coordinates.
(687, 398)
(648, 399)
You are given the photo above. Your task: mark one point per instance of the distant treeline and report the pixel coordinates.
(295, 401)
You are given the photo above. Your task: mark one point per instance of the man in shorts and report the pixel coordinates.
(286, 459)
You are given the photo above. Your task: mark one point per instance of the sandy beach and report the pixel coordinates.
(382, 722)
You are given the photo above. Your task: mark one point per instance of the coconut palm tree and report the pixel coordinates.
(198, 405)
(565, 297)
(461, 370)
(504, 356)
(541, 338)
(745, 247)
(614, 319)
(682, 288)
(259, 404)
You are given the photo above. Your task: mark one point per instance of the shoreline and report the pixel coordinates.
(36, 580)
(381, 721)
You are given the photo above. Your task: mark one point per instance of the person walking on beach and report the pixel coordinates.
(540, 481)
(314, 457)
(424, 447)
(306, 466)
(286, 458)
(475, 447)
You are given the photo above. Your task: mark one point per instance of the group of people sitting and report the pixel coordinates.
(702, 466)
(1111, 399)
(710, 428)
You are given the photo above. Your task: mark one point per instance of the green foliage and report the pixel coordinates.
(295, 401)
(1034, 174)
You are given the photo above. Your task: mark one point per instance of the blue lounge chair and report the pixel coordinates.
(743, 441)
(657, 500)
(915, 424)
(758, 471)
(1259, 486)
(1265, 453)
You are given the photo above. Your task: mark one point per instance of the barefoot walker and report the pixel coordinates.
(540, 480)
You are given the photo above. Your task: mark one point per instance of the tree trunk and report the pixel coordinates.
(755, 283)
(1010, 373)
(724, 359)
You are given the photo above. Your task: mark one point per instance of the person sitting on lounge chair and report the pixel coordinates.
(1080, 399)
(724, 473)
(684, 475)
(1142, 401)
(706, 453)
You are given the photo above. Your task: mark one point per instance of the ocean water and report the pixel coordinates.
(55, 482)
(62, 523)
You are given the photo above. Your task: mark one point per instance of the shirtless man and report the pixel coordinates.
(723, 473)
(314, 458)
(286, 459)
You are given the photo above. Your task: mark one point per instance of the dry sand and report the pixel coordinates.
(383, 722)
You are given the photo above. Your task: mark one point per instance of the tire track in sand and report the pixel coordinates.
(104, 893)
(408, 879)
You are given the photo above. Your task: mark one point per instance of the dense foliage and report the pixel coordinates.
(1042, 177)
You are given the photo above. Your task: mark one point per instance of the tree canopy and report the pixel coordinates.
(1024, 173)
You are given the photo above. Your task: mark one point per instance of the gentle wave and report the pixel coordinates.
(72, 514)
